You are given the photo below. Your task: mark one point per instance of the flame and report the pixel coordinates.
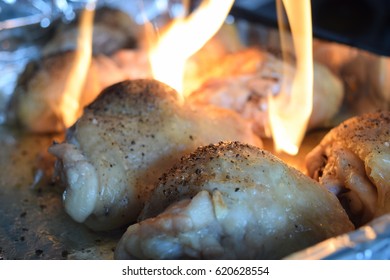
(80, 66)
(184, 37)
(290, 110)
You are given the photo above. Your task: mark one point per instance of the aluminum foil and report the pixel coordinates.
(370, 242)
(21, 41)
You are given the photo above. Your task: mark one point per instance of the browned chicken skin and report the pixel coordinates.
(353, 161)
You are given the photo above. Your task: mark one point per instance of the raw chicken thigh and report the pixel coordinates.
(232, 201)
(353, 161)
(126, 138)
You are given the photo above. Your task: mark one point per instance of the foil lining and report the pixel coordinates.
(370, 242)
(22, 43)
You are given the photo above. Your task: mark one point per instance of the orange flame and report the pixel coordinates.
(289, 112)
(80, 66)
(183, 38)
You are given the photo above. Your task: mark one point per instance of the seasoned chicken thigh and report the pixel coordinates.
(124, 141)
(353, 161)
(232, 201)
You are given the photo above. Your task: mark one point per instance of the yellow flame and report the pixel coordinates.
(80, 66)
(185, 37)
(289, 112)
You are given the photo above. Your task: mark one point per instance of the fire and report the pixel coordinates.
(290, 111)
(184, 37)
(80, 66)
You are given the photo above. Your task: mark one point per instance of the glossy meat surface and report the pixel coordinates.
(232, 201)
(353, 161)
(245, 80)
(124, 141)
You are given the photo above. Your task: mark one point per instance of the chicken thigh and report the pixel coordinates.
(124, 141)
(232, 201)
(353, 161)
(113, 30)
(49, 97)
(38, 103)
(41, 100)
(244, 81)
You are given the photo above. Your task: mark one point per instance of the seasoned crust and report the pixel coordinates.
(232, 201)
(142, 96)
(133, 132)
(226, 162)
(193, 165)
(363, 133)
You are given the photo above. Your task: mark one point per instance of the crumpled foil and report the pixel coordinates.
(22, 43)
(370, 242)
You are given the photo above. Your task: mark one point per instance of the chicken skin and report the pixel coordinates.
(247, 79)
(232, 201)
(113, 30)
(123, 142)
(40, 102)
(353, 161)
(49, 97)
